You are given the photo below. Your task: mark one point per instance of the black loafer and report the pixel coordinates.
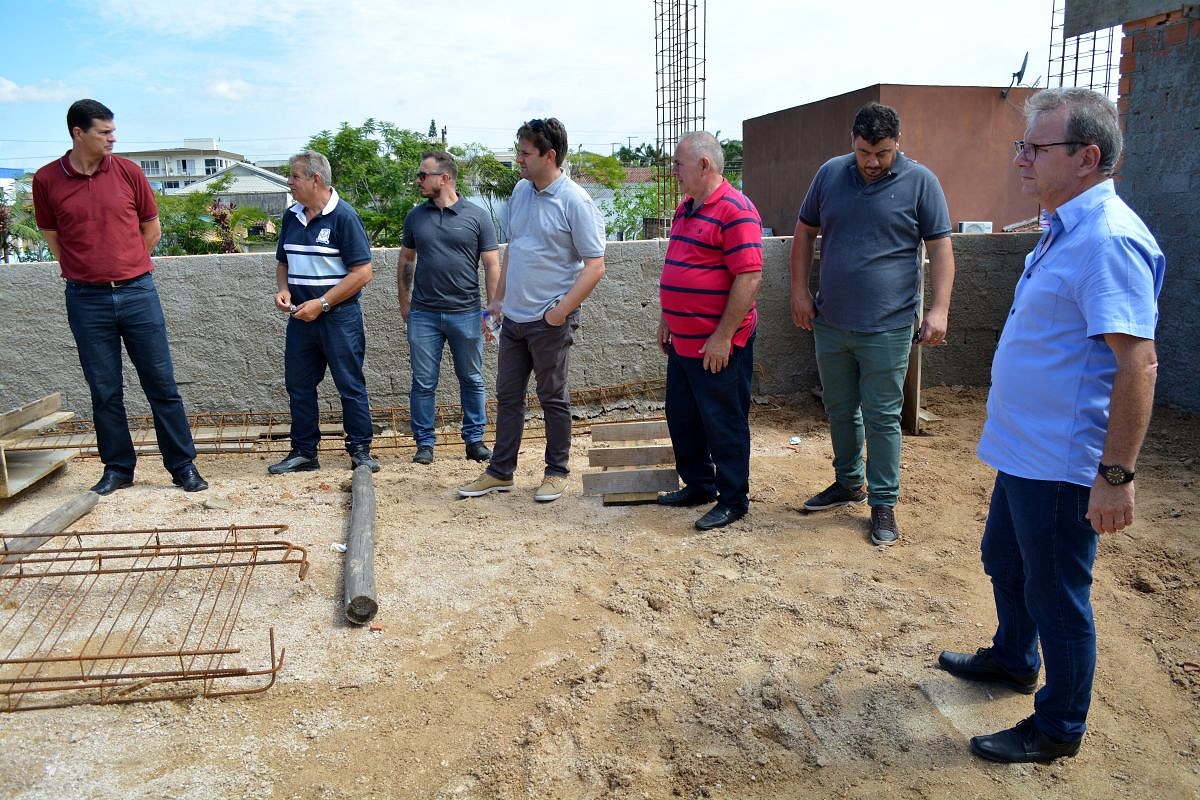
(295, 462)
(719, 516)
(478, 451)
(980, 666)
(1021, 743)
(111, 481)
(189, 479)
(687, 496)
(361, 457)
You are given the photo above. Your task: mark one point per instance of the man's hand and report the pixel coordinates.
(803, 310)
(307, 311)
(933, 328)
(664, 337)
(554, 317)
(1110, 508)
(716, 352)
(283, 301)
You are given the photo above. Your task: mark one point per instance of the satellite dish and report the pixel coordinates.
(1016, 77)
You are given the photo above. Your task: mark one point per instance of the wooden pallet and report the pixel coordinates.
(20, 469)
(632, 470)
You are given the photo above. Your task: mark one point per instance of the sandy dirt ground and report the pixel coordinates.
(574, 650)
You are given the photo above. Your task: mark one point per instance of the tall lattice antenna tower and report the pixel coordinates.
(679, 34)
(1085, 60)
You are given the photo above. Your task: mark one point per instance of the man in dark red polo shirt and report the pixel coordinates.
(100, 221)
(711, 274)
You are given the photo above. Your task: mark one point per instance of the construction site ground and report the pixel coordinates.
(577, 650)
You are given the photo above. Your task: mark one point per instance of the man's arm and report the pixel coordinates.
(941, 278)
(593, 271)
(719, 345)
(804, 240)
(404, 279)
(283, 295)
(359, 275)
(151, 232)
(1110, 508)
(51, 238)
(491, 272)
(497, 299)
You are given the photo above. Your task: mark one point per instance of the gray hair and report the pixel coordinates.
(313, 163)
(1091, 119)
(705, 145)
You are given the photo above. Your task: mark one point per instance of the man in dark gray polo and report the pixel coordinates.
(445, 238)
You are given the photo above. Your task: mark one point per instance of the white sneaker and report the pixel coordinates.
(484, 484)
(551, 489)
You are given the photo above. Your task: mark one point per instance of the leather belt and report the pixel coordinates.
(110, 284)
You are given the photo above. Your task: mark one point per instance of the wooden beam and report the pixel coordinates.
(51, 525)
(630, 498)
(631, 480)
(22, 468)
(18, 417)
(640, 456)
(359, 570)
(624, 431)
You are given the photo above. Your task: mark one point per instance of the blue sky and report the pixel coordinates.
(262, 77)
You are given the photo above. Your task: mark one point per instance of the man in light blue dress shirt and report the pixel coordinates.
(1072, 392)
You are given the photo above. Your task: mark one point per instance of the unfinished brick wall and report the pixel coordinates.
(1160, 178)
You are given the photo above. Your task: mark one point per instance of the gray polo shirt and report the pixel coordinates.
(551, 232)
(870, 233)
(448, 242)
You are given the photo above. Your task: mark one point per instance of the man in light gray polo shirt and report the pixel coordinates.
(554, 260)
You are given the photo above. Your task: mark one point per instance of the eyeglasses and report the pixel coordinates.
(423, 175)
(1030, 150)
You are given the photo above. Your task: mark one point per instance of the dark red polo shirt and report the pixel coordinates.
(97, 218)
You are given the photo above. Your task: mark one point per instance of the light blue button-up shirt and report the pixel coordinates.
(1097, 271)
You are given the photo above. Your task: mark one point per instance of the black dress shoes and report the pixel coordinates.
(478, 451)
(111, 481)
(295, 462)
(980, 666)
(687, 496)
(1021, 743)
(719, 516)
(189, 479)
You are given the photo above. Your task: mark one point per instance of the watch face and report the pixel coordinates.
(1114, 474)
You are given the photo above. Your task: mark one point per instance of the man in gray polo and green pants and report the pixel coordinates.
(873, 208)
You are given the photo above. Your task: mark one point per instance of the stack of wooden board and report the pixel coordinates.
(632, 462)
(20, 468)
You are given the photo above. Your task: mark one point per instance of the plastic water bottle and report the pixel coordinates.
(493, 326)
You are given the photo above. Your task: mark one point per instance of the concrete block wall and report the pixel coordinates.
(1160, 178)
(227, 339)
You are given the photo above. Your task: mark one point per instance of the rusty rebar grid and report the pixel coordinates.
(268, 432)
(127, 616)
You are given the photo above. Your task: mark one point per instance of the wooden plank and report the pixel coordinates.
(631, 480)
(17, 417)
(630, 498)
(631, 456)
(31, 429)
(50, 525)
(623, 431)
(20, 470)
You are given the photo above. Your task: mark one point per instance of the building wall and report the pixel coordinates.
(963, 133)
(1160, 179)
(227, 339)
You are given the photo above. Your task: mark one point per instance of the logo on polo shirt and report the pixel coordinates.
(323, 236)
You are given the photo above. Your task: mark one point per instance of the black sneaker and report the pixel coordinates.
(478, 451)
(295, 462)
(884, 530)
(424, 455)
(361, 457)
(836, 495)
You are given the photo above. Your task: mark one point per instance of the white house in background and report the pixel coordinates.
(250, 186)
(177, 167)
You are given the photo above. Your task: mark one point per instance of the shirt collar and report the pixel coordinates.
(722, 188)
(899, 165)
(1075, 210)
(298, 207)
(554, 186)
(65, 163)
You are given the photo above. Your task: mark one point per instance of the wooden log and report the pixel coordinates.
(631, 480)
(640, 456)
(623, 431)
(51, 525)
(359, 570)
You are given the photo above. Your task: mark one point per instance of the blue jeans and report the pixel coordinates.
(1038, 550)
(101, 318)
(862, 383)
(543, 350)
(335, 340)
(708, 415)
(428, 333)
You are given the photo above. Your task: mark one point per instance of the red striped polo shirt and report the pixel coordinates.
(709, 247)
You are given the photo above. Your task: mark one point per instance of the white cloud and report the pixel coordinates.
(44, 91)
(234, 89)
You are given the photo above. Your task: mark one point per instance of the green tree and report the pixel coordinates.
(644, 155)
(198, 223)
(630, 205)
(604, 170)
(374, 169)
(19, 233)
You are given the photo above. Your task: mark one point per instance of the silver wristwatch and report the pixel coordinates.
(324, 303)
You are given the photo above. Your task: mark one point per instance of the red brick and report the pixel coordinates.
(1125, 86)
(1134, 25)
(1176, 34)
(1128, 64)
(1126, 44)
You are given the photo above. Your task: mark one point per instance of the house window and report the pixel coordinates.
(212, 166)
(183, 166)
(170, 184)
(151, 167)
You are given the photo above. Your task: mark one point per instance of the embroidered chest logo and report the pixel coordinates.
(323, 236)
